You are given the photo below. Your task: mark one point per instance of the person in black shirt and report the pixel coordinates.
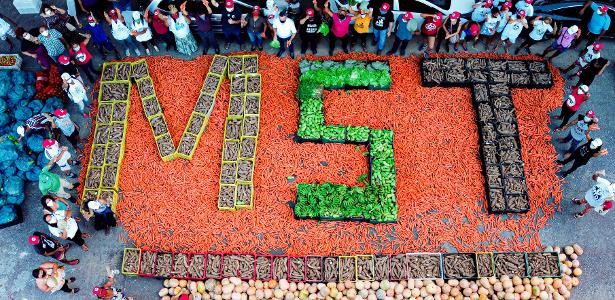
(382, 20)
(309, 31)
(231, 23)
(593, 148)
(255, 26)
(50, 247)
(595, 68)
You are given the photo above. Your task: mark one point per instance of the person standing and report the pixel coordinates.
(450, 31)
(67, 229)
(587, 56)
(178, 25)
(67, 65)
(61, 121)
(579, 131)
(120, 31)
(200, 14)
(599, 197)
(505, 16)
(231, 23)
(574, 101)
(383, 21)
(340, 27)
(285, 32)
(582, 155)
(540, 27)
(160, 24)
(589, 73)
(309, 31)
(56, 206)
(599, 22)
(100, 209)
(512, 31)
(430, 29)
(256, 26)
(60, 155)
(566, 37)
(30, 46)
(406, 26)
(142, 33)
(107, 291)
(489, 28)
(469, 31)
(53, 41)
(99, 37)
(47, 246)
(481, 9)
(7, 31)
(83, 58)
(95, 7)
(75, 89)
(361, 28)
(527, 6)
(50, 278)
(51, 183)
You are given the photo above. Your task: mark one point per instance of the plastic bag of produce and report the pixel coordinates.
(32, 175)
(8, 151)
(9, 171)
(5, 75)
(13, 185)
(3, 105)
(35, 143)
(275, 44)
(24, 163)
(36, 106)
(30, 91)
(8, 214)
(324, 29)
(30, 78)
(51, 104)
(16, 93)
(16, 199)
(5, 87)
(22, 113)
(41, 161)
(18, 77)
(4, 119)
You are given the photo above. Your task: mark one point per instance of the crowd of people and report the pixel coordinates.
(66, 37)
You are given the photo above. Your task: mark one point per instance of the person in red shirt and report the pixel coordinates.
(574, 101)
(340, 27)
(161, 28)
(83, 58)
(429, 30)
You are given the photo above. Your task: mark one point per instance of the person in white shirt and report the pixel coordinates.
(285, 31)
(67, 229)
(512, 31)
(75, 89)
(540, 28)
(587, 55)
(58, 153)
(480, 10)
(599, 197)
(527, 6)
(50, 278)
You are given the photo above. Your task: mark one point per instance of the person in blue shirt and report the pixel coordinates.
(99, 37)
(480, 10)
(526, 5)
(599, 22)
(406, 26)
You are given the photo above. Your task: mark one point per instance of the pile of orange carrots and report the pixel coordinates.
(171, 206)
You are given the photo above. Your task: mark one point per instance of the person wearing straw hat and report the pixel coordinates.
(47, 246)
(599, 197)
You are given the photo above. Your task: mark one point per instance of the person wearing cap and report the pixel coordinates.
(489, 27)
(160, 25)
(505, 16)
(256, 27)
(309, 31)
(572, 103)
(527, 6)
(51, 183)
(200, 14)
(231, 23)
(360, 29)
(587, 56)
(599, 197)
(429, 29)
(579, 131)
(599, 22)
(481, 9)
(107, 291)
(142, 32)
(589, 73)
(450, 32)
(67, 65)
(382, 23)
(340, 27)
(57, 206)
(100, 209)
(469, 31)
(285, 31)
(539, 28)
(60, 155)
(564, 41)
(47, 246)
(38, 122)
(83, 58)
(66, 228)
(52, 40)
(179, 25)
(405, 27)
(99, 37)
(30, 46)
(120, 31)
(512, 31)
(50, 278)
(582, 155)
(61, 121)
(75, 89)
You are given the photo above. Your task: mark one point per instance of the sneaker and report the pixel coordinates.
(71, 175)
(147, 51)
(72, 279)
(422, 47)
(252, 48)
(378, 52)
(75, 290)
(156, 49)
(292, 55)
(127, 53)
(579, 215)
(76, 185)
(455, 48)
(137, 51)
(576, 201)
(402, 52)
(464, 48)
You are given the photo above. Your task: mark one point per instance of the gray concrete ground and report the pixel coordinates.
(594, 232)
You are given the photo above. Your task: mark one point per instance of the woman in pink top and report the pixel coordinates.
(563, 42)
(340, 27)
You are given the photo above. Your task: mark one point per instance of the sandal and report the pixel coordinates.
(73, 262)
(576, 201)
(75, 290)
(72, 279)
(579, 215)
(85, 248)
(86, 235)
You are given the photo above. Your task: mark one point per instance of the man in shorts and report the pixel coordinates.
(60, 155)
(512, 31)
(563, 42)
(599, 197)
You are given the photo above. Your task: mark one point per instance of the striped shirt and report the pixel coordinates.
(37, 121)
